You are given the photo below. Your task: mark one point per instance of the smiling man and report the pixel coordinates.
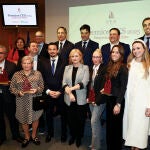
(146, 28)
(114, 37)
(86, 45)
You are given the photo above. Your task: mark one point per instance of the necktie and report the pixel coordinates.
(147, 43)
(39, 48)
(53, 66)
(84, 46)
(60, 48)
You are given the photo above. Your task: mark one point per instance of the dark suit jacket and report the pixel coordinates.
(119, 84)
(87, 54)
(44, 51)
(67, 47)
(106, 52)
(52, 82)
(99, 84)
(10, 69)
(142, 38)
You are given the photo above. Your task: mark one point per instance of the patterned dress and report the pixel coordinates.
(24, 111)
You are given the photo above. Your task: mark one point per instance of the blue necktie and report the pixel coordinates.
(53, 66)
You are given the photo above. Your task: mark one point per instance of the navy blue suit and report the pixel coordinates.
(54, 83)
(88, 52)
(67, 47)
(142, 38)
(106, 52)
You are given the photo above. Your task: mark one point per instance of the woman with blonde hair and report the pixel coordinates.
(75, 80)
(137, 99)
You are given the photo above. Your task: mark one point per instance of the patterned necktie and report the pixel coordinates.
(53, 66)
(84, 46)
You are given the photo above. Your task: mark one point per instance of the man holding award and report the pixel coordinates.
(7, 100)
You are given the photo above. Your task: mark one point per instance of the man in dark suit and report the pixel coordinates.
(7, 100)
(146, 28)
(64, 45)
(52, 70)
(86, 45)
(114, 37)
(42, 46)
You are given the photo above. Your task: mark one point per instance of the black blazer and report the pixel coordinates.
(10, 68)
(99, 84)
(106, 52)
(67, 47)
(52, 82)
(87, 54)
(119, 84)
(44, 51)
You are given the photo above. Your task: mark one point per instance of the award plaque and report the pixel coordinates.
(3, 77)
(91, 96)
(107, 87)
(26, 86)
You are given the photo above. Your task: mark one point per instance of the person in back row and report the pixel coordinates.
(63, 44)
(114, 37)
(86, 45)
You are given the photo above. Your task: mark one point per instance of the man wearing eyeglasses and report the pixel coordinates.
(7, 100)
(42, 46)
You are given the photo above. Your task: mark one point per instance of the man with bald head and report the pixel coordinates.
(42, 46)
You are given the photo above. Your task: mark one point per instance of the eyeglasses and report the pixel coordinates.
(96, 57)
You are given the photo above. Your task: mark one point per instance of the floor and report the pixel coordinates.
(55, 144)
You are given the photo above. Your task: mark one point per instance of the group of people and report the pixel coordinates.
(115, 78)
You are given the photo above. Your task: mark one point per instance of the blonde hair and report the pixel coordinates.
(145, 58)
(98, 51)
(27, 58)
(73, 51)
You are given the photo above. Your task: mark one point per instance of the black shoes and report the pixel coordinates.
(25, 143)
(78, 142)
(36, 141)
(1, 141)
(48, 138)
(71, 141)
(63, 139)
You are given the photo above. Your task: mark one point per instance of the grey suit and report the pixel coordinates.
(81, 76)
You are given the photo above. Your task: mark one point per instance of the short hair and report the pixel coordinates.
(72, 53)
(4, 48)
(85, 26)
(61, 27)
(27, 58)
(98, 51)
(147, 18)
(39, 33)
(53, 43)
(115, 29)
(31, 43)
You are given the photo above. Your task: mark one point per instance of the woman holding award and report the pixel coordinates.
(96, 106)
(27, 84)
(115, 86)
